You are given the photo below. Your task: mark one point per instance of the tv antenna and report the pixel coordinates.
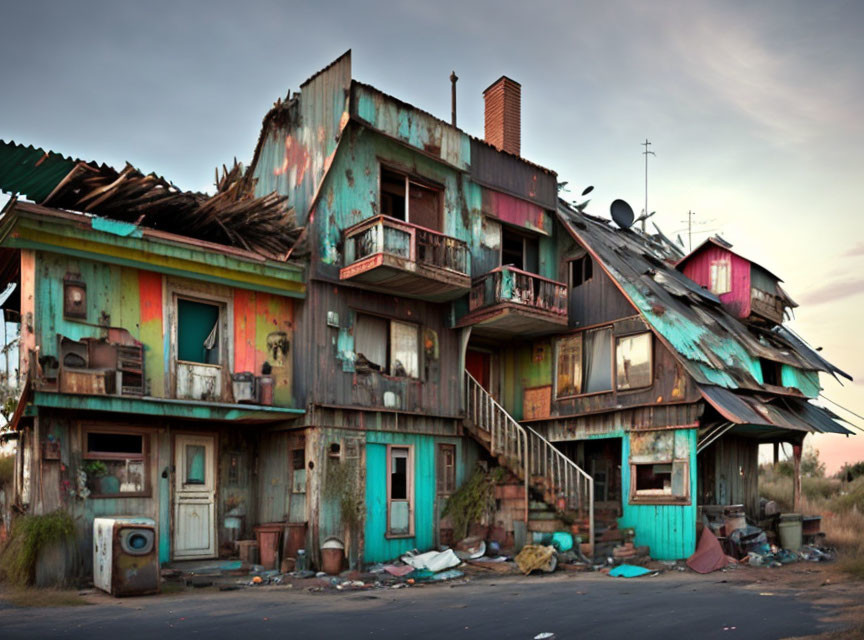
(646, 153)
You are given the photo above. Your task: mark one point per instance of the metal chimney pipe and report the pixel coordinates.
(453, 79)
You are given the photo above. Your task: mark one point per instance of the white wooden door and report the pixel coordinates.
(194, 496)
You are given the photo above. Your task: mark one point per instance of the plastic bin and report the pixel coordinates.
(790, 531)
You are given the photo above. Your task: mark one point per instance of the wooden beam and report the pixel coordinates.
(796, 478)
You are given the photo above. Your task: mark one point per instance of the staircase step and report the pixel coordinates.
(542, 515)
(546, 526)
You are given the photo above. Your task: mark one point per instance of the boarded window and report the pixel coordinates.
(446, 472)
(370, 341)
(581, 271)
(404, 349)
(197, 332)
(633, 361)
(720, 277)
(399, 491)
(115, 463)
(569, 379)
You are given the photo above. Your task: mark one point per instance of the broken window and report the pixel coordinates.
(569, 378)
(633, 361)
(198, 332)
(446, 472)
(298, 471)
(400, 491)
(370, 342)
(720, 277)
(115, 463)
(74, 298)
(660, 481)
(520, 250)
(388, 346)
(409, 200)
(585, 363)
(772, 372)
(581, 271)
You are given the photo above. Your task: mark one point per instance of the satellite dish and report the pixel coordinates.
(622, 213)
(588, 190)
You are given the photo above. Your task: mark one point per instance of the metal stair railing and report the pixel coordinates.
(531, 454)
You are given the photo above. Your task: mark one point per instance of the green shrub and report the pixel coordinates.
(473, 501)
(30, 534)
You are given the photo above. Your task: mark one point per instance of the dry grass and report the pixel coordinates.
(841, 508)
(31, 597)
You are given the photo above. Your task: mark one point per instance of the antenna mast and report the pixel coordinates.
(647, 151)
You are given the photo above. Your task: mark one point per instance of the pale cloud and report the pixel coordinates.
(833, 292)
(857, 250)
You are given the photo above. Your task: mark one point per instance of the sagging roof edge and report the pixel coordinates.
(14, 207)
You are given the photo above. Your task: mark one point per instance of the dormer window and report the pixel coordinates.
(720, 277)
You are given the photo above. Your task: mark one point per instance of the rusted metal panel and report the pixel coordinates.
(299, 138)
(513, 175)
(619, 421)
(516, 211)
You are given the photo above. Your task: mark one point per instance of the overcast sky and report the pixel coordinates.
(754, 112)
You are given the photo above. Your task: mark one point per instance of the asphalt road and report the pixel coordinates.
(664, 607)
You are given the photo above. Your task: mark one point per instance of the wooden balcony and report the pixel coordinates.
(393, 256)
(508, 301)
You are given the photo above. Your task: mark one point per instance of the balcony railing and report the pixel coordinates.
(385, 235)
(511, 285)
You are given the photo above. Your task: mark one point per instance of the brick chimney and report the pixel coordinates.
(504, 114)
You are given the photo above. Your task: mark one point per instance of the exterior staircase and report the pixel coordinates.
(547, 473)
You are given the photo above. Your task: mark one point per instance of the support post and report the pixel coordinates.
(796, 478)
(776, 454)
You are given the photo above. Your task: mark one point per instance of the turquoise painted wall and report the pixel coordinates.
(377, 547)
(669, 530)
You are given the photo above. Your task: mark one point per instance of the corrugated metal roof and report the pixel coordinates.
(781, 412)
(715, 347)
(31, 171)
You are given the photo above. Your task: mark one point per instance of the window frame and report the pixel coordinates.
(581, 333)
(637, 498)
(221, 340)
(144, 456)
(650, 360)
(585, 259)
(409, 481)
(386, 367)
(441, 486)
(408, 180)
(713, 272)
(526, 237)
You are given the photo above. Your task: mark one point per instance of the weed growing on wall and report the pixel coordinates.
(31, 534)
(474, 501)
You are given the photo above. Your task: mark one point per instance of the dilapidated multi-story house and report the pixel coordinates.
(338, 336)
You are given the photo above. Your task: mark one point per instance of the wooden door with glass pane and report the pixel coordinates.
(194, 496)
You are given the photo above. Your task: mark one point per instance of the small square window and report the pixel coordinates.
(581, 271)
(74, 299)
(720, 277)
(198, 332)
(115, 463)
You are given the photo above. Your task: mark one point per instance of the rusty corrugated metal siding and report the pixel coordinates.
(513, 175)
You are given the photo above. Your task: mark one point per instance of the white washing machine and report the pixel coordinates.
(125, 555)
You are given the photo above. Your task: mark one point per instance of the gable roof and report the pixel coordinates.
(717, 241)
(715, 348)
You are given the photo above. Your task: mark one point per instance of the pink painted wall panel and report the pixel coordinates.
(515, 211)
(698, 269)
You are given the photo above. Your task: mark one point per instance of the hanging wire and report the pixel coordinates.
(837, 404)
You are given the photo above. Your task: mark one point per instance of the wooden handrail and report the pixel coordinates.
(506, 267)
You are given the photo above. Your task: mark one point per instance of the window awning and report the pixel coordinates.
(779, 412)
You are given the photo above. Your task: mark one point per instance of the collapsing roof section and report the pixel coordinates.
(233, 216)
(714, 346)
